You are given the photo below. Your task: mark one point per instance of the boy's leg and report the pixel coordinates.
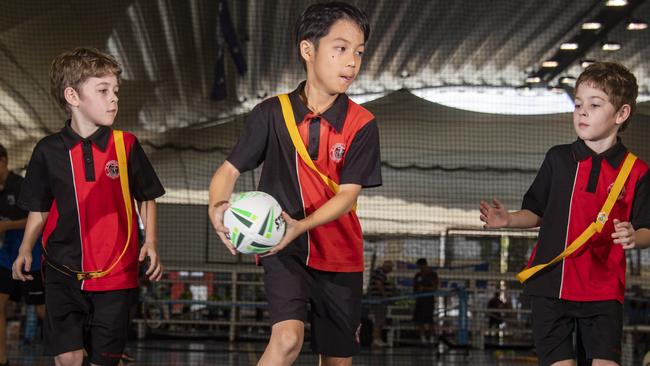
(8, 289)
(4, 298)
(336, 315)
(40, 311)
(563, 363)
(601, 329)
(422, 331)
(33, 291)
(379, 313)
(284, 346)
(420, 323)
(427, 317)
(286, 284)
(599, 362)
(74, 358)
(34, 294)
(553, 328)
(432, 333)
(109, 324)
(335, 361)
(66, 315)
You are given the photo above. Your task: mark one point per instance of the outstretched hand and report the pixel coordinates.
(494, 216)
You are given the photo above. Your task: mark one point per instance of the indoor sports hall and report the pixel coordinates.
(468, 97)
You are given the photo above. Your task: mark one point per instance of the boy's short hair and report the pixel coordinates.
(421, 262)
(3, 152)
(616, 81)
(72, 68)
(315, 22)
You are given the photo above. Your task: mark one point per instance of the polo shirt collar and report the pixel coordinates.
(334, 115)
(614, 155)
(99, 137)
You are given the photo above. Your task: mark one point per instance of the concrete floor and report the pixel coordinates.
(220, 353)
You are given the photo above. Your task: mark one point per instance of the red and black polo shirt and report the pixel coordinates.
(568, 193)
(77, 181)
(343, 143)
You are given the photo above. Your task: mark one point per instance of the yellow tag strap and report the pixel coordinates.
(290, 122)
(118, 137)
(594, 227)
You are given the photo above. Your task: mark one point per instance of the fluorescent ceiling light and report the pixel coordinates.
(637, 25)
(550, 64)
(611, 46)
(591, 26)
(533, 80)
(585, 63)
(567, 80)
(569, 46)
(616, 2)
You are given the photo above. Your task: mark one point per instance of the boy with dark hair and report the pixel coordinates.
(79, 191)
(12, 226)
(319, 149)
(592, 201)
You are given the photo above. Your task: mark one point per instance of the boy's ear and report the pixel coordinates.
(307, 50)
(623, 113)
(71, 96)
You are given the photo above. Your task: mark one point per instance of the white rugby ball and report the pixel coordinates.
(255, 222)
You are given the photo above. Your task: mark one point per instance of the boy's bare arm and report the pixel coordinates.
(642, 238)
(221, 187)
(336, 206)
(33, 228)
(524, 219)
(496, 216)
(12, 225)
(148, 214)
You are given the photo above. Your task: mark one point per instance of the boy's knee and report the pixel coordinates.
(74, 358)
(336, 361)
(288, 340)
(600, 362)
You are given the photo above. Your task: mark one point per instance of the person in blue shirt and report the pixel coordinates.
(12, 225)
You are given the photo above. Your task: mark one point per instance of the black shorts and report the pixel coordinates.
(334, 300)
(31, 291)
(598, 325)
(76, 319)
(423, 312)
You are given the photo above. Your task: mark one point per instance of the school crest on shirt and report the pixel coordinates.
(112, 169)
(621, 195)
(11, 199)
(337, 151)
